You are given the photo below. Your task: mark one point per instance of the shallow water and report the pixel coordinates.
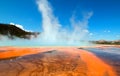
(57, 61)
(111, 56)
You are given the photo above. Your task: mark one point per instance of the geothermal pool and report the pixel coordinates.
(59, 61)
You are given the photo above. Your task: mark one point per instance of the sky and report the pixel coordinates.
(103, 24)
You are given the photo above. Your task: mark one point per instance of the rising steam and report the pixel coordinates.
(53, 31)
(50, 24)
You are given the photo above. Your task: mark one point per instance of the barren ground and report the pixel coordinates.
(51, 61)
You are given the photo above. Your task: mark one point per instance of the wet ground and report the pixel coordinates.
(58, 62)
(110, 55)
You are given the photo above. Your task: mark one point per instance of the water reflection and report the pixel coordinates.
(111, 55)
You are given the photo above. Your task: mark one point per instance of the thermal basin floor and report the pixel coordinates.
(51, 61)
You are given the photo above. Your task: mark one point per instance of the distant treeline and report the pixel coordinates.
(116, 42)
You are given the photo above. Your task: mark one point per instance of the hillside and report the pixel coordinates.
(12, 31)
(114, 42)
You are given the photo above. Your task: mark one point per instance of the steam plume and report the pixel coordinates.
(53, 31)
(50, 24)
